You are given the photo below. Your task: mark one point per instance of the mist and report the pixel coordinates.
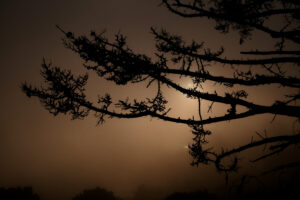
(59, 157)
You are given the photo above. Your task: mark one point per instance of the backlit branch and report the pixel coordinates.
(113, 60)
(244, 17)
(174, 45)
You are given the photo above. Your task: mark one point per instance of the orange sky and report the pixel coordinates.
(60, 157)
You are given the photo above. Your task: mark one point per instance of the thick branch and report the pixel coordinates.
(271, 52)
(265, 61)
(258, 80)
(293, 111)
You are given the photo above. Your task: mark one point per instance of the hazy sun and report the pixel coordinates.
(189, 85)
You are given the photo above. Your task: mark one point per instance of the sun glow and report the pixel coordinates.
(189, 85)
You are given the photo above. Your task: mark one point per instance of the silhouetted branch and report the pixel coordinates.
(287, 140)
(244, 16)
(252, 81)
(271, 52)
(113, 60)
(173, 44)
(282, 167)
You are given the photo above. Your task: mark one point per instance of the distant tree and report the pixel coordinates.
(251, 187)
(148, 193)
(18, 193)
(197, 195)
(95, 194)
(115, 61)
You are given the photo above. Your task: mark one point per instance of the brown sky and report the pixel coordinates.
(60, 157)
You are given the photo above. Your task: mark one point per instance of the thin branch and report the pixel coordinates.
(200, 12)
(282, 167)
(177, 48)
(271, 52)
(291, 139)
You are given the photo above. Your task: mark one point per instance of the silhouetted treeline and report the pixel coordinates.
(285, 190)
(95, 194)
(18, 193)
(203, 195)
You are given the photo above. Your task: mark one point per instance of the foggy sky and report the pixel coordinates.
(60, 157)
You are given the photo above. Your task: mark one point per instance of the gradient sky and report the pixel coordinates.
(60, 157)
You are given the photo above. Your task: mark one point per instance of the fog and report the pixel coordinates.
(60, 157)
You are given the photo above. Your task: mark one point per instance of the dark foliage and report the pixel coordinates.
(197, 195)
(116, 62)
(287, 187)
(95, 194)
(18, 193)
